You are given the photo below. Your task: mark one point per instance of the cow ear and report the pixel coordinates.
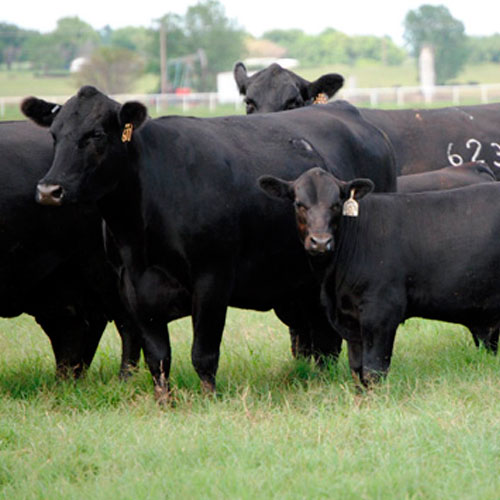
(241, 77)
(327, 84)
(40, 111)
(133, 112)
(275, 187)
(361, 188)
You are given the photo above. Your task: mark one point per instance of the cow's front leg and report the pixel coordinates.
(158, 355)
(378, 342)
(210, 302)
(355, 353)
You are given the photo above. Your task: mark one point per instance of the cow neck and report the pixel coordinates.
(121, 209)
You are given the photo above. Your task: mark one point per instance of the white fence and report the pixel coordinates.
(375, 97)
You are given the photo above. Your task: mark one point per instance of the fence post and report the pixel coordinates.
(211, 102)
(373, 98)
(456, 95)
(2, 107)
(484, 94)
(400, 96)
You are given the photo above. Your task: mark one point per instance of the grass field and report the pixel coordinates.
(278, 428)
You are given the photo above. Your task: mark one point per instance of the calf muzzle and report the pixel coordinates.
(49, 194)
(317, 244)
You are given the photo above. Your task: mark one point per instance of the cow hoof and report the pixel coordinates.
(208, 388)
(127, 371)
(163, 396)
(371, 379)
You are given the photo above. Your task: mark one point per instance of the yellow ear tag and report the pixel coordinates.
(127, 132)
(351, 206)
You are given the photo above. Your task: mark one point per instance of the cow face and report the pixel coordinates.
(318, 198)
(277, 89)
(91, 133)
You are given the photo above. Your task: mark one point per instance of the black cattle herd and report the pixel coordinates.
(142, 221)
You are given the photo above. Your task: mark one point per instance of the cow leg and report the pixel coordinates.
(74, 340)
(158, 356)
(326, 342)
(355, 354)
(210, 302)
(486, 336)
(378, 343)
(131, 340)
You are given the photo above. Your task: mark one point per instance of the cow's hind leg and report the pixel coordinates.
(210, 302)
(486, 336)
(74, 340)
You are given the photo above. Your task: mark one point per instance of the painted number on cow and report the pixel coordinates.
(497, 153)
(476, 147)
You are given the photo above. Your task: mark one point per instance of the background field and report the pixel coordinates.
(278, 428)
(364, 74)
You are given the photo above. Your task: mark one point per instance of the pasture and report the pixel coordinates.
(278, 428)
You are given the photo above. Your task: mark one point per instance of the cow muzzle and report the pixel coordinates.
(49, 194)
(319, 244)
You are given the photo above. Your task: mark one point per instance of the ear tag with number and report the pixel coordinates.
(351, 206)
(127, 132)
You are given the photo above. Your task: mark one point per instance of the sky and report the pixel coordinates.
(353, 17)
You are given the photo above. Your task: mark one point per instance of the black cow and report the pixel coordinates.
(423, 139)
(276, 89)
(446, 178)
(52, 262)
(432, 255)
(189, 230)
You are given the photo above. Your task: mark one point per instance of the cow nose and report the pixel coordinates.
(49, 194)
(320, 244)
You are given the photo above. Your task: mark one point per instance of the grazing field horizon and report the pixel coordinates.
(278, 427)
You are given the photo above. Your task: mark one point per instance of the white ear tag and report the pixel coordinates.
(351, 206)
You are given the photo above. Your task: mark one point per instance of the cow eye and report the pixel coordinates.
(299, 205)
(293, 103)
(250, 106)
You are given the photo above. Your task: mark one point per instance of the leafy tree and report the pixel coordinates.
(434, 25)
(12, 42)
(334, 47)
(484, 49)
(113, 70)
(55, 50)
(207, 27)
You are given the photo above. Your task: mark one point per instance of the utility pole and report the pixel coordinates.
(163, 57)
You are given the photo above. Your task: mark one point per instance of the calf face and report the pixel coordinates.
(277, 89)
(319, 200)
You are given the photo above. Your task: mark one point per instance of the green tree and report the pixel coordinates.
(55, 50)
(12, 43)
(484, 48)
(434, 25)
(112, 69)
(207, 27)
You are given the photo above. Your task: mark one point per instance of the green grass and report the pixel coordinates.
(278, 428)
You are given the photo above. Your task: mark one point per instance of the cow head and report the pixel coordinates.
(278, 89)
(318, 198)
(91, 134)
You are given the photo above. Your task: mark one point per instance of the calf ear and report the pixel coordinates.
(241, 77)
(361, 188)
(275, 187)
(133, 112)
(40, 111)
(326, 84)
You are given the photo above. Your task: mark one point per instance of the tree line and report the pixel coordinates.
(204, 41)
